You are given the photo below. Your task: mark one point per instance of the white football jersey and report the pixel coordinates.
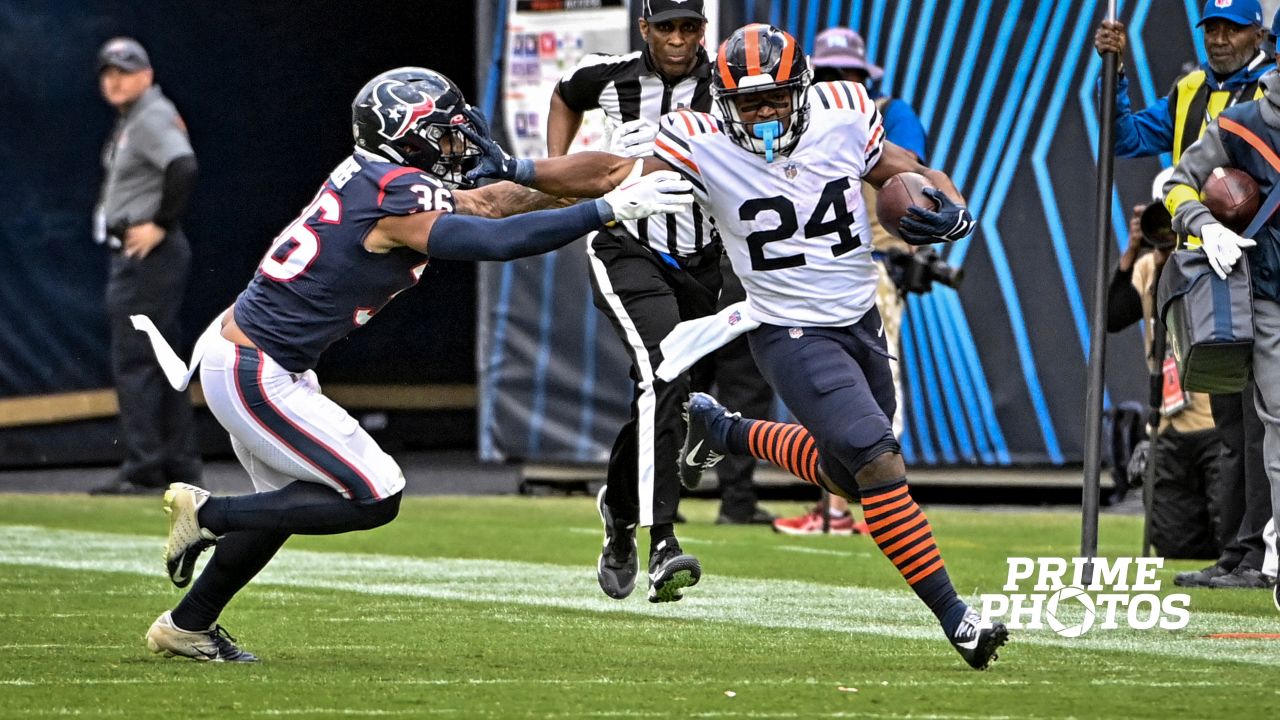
(795, 229)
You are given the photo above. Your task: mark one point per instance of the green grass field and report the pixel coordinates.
(488, 608)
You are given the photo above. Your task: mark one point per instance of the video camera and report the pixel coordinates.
(1157, 227)
(916, 272)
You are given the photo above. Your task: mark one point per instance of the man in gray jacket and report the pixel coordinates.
(1245, 137)
(150, 171)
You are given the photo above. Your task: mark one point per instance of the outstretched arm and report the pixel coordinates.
(584, 174)
(502, 199)
(450, 236)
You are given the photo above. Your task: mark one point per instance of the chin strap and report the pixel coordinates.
(768, 132)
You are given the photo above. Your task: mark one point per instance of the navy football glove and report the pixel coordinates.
(494, 161)
(948, 223)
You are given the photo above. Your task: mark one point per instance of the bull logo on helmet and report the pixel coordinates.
(398, 106)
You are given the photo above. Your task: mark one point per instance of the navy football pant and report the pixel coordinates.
(838, 384)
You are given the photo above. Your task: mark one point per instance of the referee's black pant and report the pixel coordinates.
(156, 426)
(644, 296)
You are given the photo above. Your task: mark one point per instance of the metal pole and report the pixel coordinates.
(1097, 335)
(1159, 348)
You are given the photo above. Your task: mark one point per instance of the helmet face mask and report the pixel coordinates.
(410, 116)
(755, 62)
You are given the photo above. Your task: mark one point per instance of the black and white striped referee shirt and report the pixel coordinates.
(629, 87)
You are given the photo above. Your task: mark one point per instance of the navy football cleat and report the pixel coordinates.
(617, 568)
(670, 571)
(697, 454)
(978, 641)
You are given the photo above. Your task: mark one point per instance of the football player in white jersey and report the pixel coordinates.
(781, 171)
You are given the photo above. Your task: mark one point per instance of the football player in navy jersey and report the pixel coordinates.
(366, 236)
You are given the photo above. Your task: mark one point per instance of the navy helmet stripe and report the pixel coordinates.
(248, 373)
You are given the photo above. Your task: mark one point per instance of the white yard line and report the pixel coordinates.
(753, 602)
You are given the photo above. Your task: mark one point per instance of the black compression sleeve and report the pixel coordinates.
(179, 181)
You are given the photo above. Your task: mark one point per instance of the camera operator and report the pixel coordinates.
(1184, 520)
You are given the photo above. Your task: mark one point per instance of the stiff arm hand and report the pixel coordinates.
(640, 195)
(629, 193)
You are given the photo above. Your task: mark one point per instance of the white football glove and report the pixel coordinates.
(1222, 247)
(633, 138)
(644, 195)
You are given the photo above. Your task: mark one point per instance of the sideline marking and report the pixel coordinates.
(791, 604)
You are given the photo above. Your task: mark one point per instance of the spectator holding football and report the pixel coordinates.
(1242, 137)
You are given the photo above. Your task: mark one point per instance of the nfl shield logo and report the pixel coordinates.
(796, 332)
(734, 317)
(1222, 3)
(791, 170)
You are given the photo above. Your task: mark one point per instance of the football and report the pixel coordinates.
(899, 193)
(1232, 196)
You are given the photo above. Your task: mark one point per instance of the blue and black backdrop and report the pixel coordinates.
(995, 373)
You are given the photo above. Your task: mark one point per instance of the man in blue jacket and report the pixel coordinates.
(1233, 37)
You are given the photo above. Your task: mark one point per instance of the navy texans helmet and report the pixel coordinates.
(410, 116)
(760, 58)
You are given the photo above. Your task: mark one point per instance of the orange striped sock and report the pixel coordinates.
(787, 445)
(904, 535)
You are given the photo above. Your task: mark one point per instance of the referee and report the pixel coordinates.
(150, 173)
(646, 277)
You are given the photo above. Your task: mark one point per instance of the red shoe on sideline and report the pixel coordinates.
(811, 524)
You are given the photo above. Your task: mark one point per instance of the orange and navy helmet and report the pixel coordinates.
(761, 58)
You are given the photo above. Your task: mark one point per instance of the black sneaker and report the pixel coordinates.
(976, 641)
(670, 571)
(1199, 578)
(617, 568)
(759, 516)
(696, 455)
(126, 487)
(1243, 579)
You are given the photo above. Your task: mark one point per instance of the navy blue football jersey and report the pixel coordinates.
(317, 282)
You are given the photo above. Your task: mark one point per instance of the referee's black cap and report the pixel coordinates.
(663, 10)
(124, 53)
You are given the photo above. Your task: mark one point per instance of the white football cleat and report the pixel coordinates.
(212, 645)
(182, 503)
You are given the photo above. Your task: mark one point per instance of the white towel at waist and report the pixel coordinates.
(177, 372)
(690, 340)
